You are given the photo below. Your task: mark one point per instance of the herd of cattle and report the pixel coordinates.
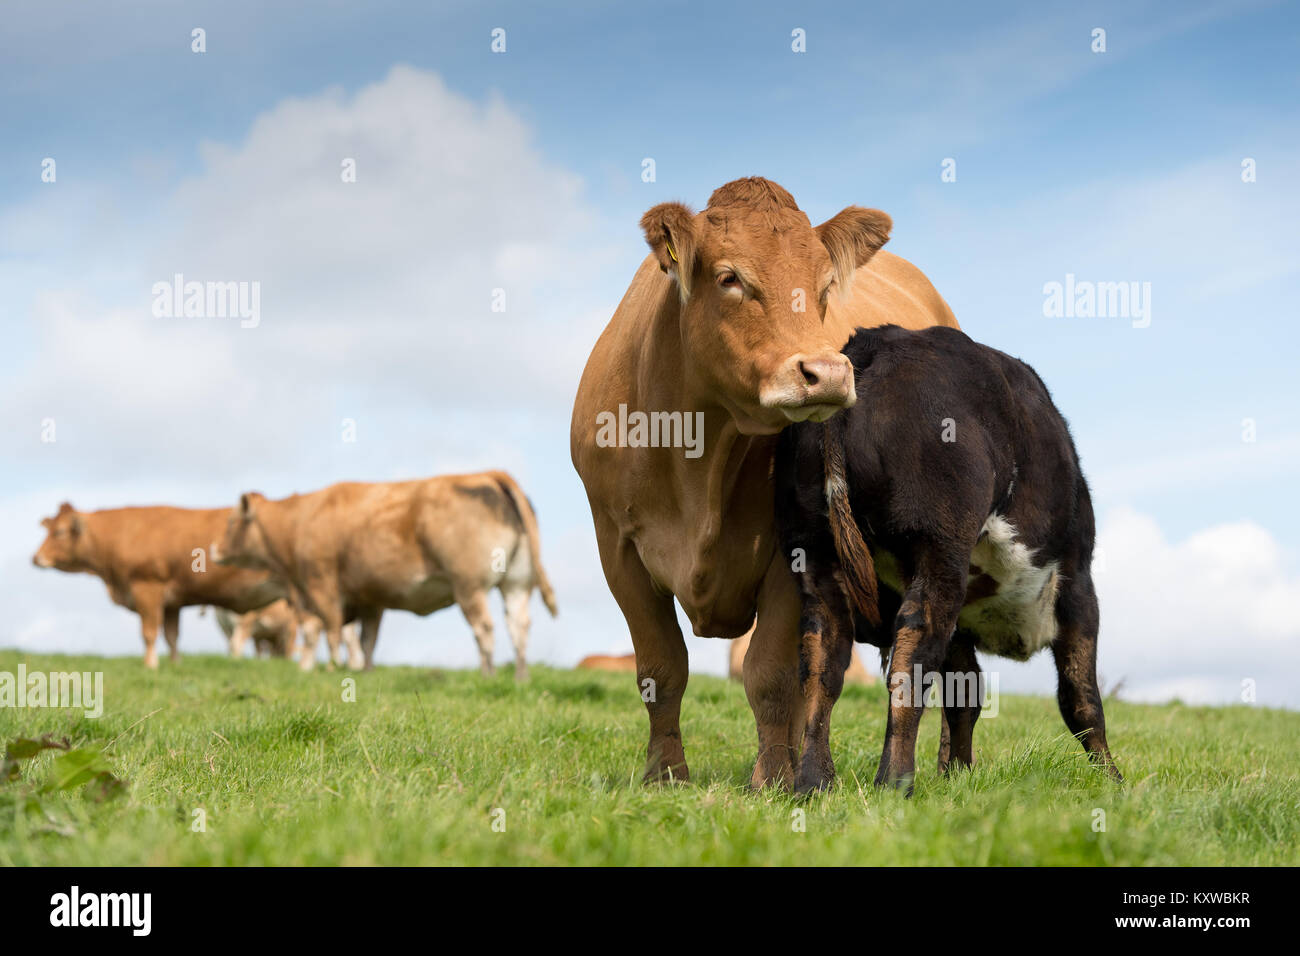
(864, 473)
(312, 563)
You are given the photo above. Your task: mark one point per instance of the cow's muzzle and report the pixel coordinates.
(810, 387)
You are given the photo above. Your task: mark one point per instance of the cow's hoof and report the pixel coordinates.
(661, 774)
(666, 762)
(521, 675)
(886, 780)
(813, 781)
(773, 769)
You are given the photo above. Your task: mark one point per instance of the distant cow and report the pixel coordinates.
(274, 632)
(154, 561)
(623, 663)
(949, 499)
(856, 674)
(354, 549)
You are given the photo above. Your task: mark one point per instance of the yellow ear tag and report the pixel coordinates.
(669, 245)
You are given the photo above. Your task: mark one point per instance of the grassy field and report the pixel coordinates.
(419, 767)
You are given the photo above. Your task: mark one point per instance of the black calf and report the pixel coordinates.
(949, 498)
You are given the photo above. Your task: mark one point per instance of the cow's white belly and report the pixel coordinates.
(1019, 618)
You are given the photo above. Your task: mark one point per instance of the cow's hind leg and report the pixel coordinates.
(1075, 651)
(517, 623)
(239, 637)
(826, 649)
(474, 605)
(172, 632)
(962, 695)
(370, 618)
(925, 624)
(352, 641)
(311, 628)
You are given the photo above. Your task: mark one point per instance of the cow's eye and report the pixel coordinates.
(728, 280)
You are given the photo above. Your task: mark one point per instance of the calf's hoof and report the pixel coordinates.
(521, 675)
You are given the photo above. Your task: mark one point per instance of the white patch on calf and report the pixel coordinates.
(1020, 619)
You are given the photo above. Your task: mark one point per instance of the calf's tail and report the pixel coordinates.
(525, 509)
(855, 557)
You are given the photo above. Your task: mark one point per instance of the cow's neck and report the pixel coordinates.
(278, 521)
(704, 486)
(98, 558)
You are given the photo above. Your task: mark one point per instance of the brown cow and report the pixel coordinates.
(734, 322)
(623, 663)
(154, 561)
(354, 549)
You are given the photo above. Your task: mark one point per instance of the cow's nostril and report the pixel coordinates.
(809, 373)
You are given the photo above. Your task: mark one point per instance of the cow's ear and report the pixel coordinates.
(64, 509)
(47, 523)
(852, 236)
(246, 509)
(670, 233)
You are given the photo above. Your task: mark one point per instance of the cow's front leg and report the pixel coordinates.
(826, 649)
(924, 627)
(148, 604)
(662, 667)
(772, 677)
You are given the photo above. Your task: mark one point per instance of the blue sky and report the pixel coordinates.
(523, 169)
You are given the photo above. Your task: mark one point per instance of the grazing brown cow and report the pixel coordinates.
(274, 632)
(734, 322)
(154, 561)
(355, 549)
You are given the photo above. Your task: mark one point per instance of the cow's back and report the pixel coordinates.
(412, 544)
(170, 547)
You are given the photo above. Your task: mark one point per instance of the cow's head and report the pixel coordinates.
(754, 277)
(244, 544)
(65, 541)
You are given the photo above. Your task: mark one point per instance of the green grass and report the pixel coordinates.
(288, 773)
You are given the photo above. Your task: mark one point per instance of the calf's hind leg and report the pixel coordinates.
(825, 652)
(925, 624)
(962, 697)
(1075, 651)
